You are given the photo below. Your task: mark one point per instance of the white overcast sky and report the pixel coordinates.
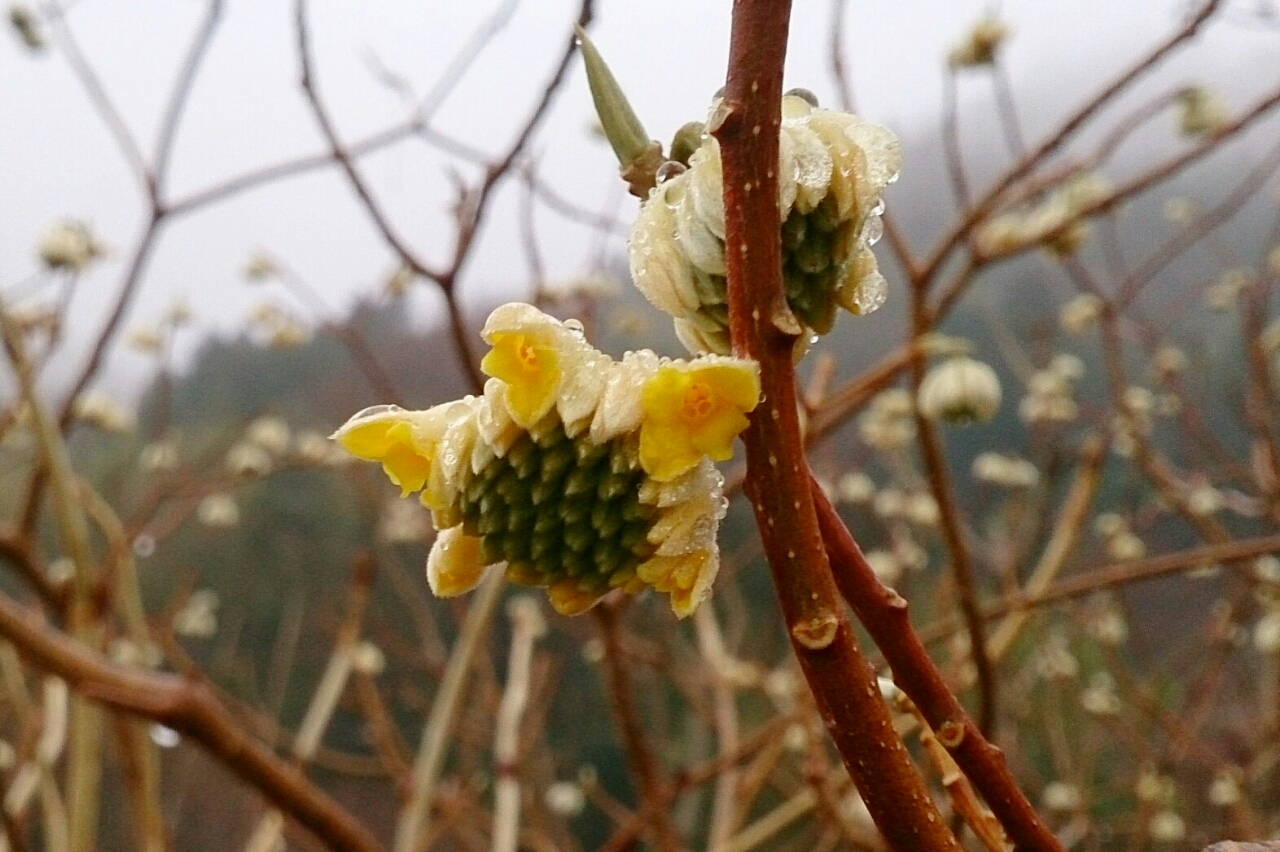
(56, 159)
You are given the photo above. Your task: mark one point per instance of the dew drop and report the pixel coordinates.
(669, 170)
(872, 292)
(873, 230)
(165, 737)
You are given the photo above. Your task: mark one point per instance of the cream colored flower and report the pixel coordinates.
(198, 618)
(69, 245)
(855, 488)
(260, 266)
(832, 169)
(218, 511)
(1078, 315)
(889, 422)
(100, 410)
(581, 473)
(960, 390)
(1167, 827)
(1061, 796)
(146, 339)
(159, 455)
(245, 460)
(271, 433)
(1225, 790)
(1201, 112)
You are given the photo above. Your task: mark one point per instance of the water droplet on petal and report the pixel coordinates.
(873, 230)
(376, 410)
(803, 94)
(575, 326)
(872, 292)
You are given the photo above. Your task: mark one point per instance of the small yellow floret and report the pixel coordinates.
(389, 437)
(455, 565)
(530, 365)
(689, 412)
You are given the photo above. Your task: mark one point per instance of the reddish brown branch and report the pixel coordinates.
(884, 613)
(844, 686)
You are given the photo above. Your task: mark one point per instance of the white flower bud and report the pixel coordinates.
(1078, 315)
(245, 460)
(1006, 471)
(367, 658)
(101, 411)
(832, 169)
(219, 511)
(271, 433)
(1062, 797)
(1266, 633)
(565, 799)
(855, 488)
(1167, 827)
(1225, 791)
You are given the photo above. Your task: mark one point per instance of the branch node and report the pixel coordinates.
(951, 733)
(817, 632)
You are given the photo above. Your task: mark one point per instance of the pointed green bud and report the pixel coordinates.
(621, 127)
(638, 155)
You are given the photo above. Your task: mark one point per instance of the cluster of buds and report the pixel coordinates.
(583, 474)
(979, 46)
(832, 168)
(1122, 544)
(1005, 471)
(1051, 392)
(1057, 223)
(1079, 315)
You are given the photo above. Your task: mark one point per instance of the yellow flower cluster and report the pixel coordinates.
(583, 474)
(832, 168)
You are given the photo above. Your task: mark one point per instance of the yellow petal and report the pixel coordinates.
(692, 410)
(393, 436)
(454, 565)
(567, 599)
(529, 363)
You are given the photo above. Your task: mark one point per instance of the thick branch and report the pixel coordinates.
(843, 684)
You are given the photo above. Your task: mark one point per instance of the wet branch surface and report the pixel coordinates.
(777, 483)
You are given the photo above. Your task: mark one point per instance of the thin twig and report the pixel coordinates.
(640, 756)
(191, 709)
(415, 817)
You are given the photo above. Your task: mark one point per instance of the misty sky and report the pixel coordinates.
(56, 159)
